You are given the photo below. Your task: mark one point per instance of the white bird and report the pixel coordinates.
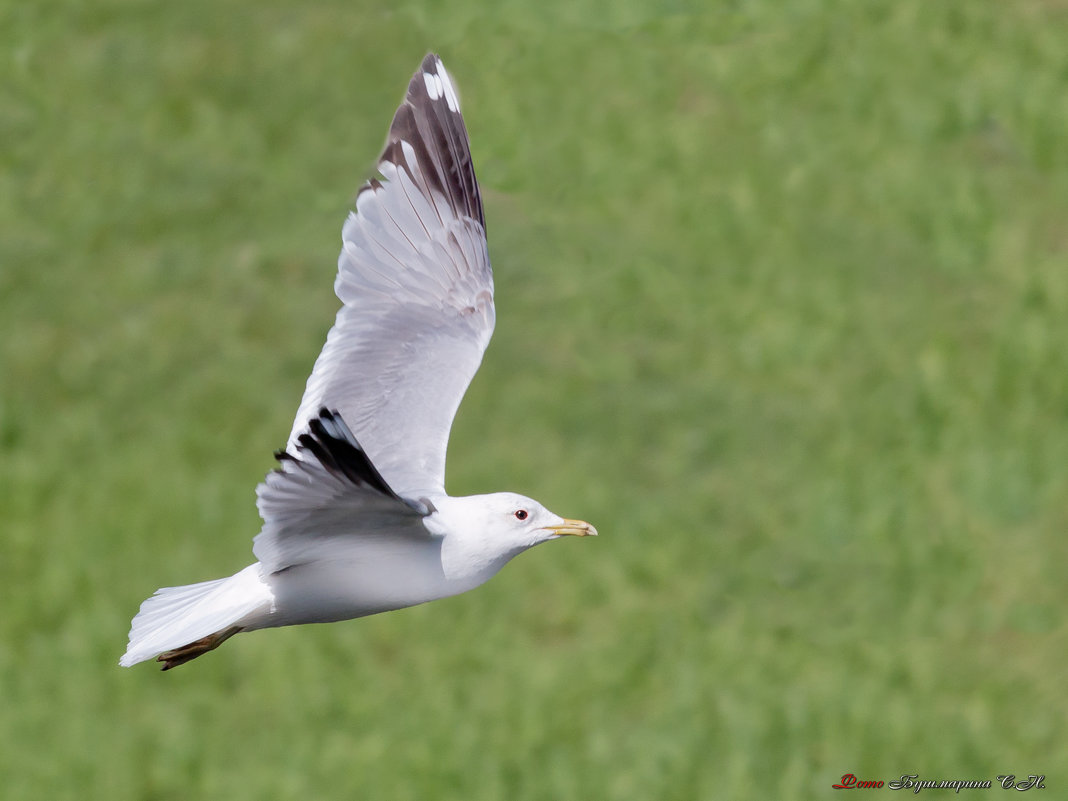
(352, 527)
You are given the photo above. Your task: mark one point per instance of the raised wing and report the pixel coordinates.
(415, 280)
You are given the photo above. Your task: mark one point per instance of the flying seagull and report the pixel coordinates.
(356, 520)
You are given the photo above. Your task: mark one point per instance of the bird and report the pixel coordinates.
(356, 519)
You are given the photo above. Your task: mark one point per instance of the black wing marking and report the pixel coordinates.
(429, 120)
(335, 447)
(326, 495)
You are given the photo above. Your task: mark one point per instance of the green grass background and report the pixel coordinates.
(782, 296)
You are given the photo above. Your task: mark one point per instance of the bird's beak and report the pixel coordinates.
(573, 528)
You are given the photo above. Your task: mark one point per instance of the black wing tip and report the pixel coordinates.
(431, 123)
(430, 62)
(433, 81)
(330, 441)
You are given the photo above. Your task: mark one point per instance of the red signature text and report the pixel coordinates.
(851, 782)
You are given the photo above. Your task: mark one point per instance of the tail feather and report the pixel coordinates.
(177, 616)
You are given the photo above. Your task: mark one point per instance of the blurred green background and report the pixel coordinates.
(782, 296)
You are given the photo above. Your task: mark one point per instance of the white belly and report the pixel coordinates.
(391, 575)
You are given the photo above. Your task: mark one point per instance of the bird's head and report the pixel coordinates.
(484, 530)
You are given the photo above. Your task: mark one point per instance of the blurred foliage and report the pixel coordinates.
(782, 297)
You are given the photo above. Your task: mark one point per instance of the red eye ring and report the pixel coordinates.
(521, 514)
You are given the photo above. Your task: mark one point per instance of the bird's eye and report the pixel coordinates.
(521, 514)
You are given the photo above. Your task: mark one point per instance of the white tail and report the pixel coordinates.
(177, 616)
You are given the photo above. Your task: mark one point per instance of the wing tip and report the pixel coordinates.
(330, 442)
(436, 82)
(430, 124)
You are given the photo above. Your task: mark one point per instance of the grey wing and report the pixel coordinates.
(325, 493)
(415, 280)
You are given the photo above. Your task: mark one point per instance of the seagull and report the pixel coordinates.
(357, 525)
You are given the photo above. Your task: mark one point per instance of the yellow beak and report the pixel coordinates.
(573, 528)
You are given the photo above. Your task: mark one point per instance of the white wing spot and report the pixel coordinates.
(447, 88)
(433, 85)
